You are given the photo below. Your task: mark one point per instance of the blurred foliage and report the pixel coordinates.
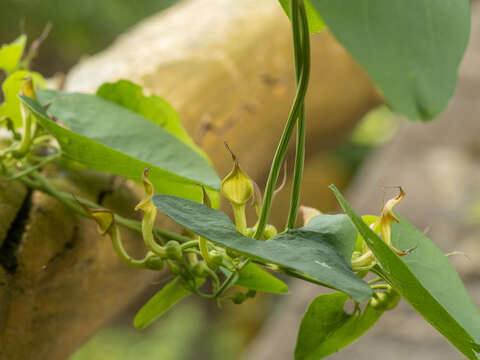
(375, 129)
(168, 339)
(79, 27)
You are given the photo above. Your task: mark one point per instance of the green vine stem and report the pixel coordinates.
(301, 61)
(287, 132)
(40, 183)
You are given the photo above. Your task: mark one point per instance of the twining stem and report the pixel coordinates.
(287, 134)
(302, 59)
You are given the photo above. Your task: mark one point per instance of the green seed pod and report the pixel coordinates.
(173, 250)
(216, 260)
(200, 269)
(154, 262)
(269, 232)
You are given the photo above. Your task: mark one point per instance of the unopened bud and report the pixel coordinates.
(154, 262)
(173, 250)
(200, 269)
(385, 301)
(237, 187)
(216, 260)
(269, 232)
(238, 298)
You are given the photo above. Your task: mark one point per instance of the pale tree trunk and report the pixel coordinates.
(227, 67)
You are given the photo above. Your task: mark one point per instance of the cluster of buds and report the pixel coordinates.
(197, 258)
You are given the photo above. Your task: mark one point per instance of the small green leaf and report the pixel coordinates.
(254, 278)
(319, 252)
(12, 86)
(107, 137)
(315, 21)
(411, 49)
(326, 327)
(130, 95)
(426, 279)
(11, 54)
(163, 300)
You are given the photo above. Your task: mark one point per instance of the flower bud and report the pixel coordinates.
(216, 260)
(238, 298)
(154, 262)
(237, 187)
(269, 232)
(200, 269)
(173, 250)
(385, 301)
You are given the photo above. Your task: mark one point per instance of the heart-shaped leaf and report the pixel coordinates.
(319, 254)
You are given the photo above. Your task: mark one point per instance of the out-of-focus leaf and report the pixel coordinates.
(426, 279)
(11, 54)
(319, 252)
(315, 21)
(153, 108)
(326, 327)
(12, 86)
(107, 137)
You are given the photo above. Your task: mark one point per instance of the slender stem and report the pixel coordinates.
(284, 140)
(120, 250)
(42, 163)
(302, 59)
(42, 184)
(240, 218)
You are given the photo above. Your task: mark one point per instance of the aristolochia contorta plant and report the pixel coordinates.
(123, 132)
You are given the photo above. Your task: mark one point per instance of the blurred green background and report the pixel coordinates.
(79, 28)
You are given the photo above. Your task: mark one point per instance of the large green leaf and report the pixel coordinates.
(107, 137)
(315, 22)
(318, 254)
(153, 108)
(11, 54)
(410, 48)
(326, 327)
(11, 87)
(163, 300)
(253, 277)
(426, 279)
